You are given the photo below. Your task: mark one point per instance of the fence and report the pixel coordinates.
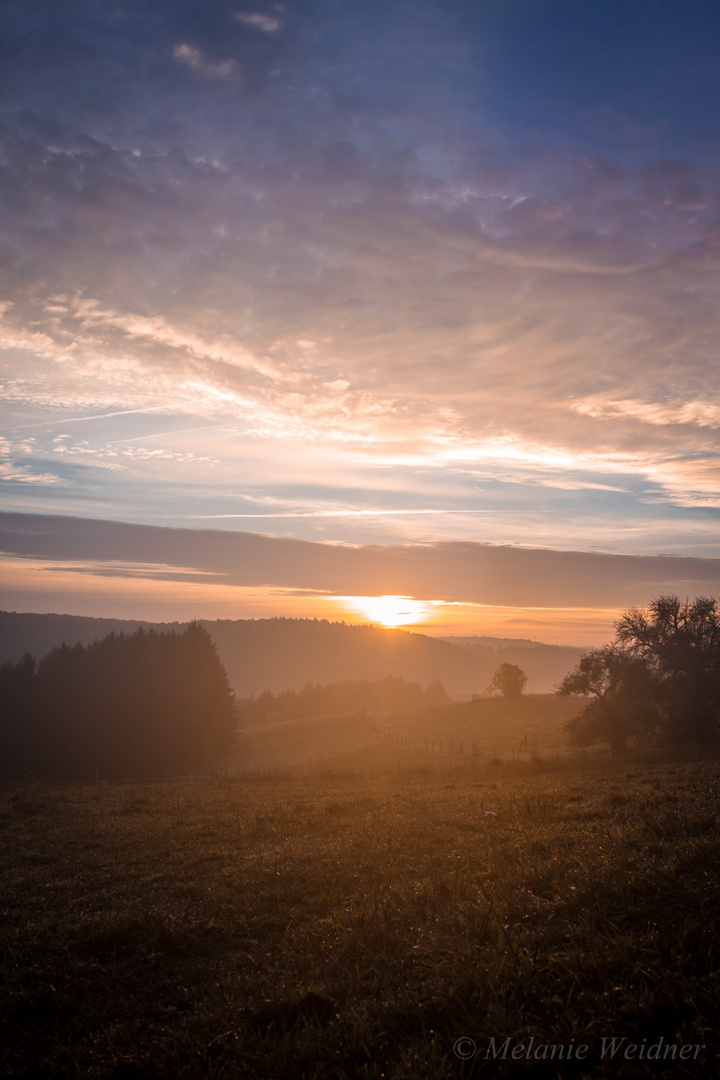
(531, 744)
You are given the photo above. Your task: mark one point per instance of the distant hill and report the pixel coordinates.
(544, 665)
(22, 632)
(477, 641)
(280, 654)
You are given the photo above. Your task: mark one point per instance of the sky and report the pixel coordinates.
(427, 291)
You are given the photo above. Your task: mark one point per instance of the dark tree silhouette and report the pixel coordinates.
(16, 690)
(623, 698)
(148, 704)
(509, 679)
(660, 679)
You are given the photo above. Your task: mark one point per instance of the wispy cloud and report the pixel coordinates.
(281, 254)
(267, 23)
(17, 466)
(24, 474)
(194, 58)
(699, 413)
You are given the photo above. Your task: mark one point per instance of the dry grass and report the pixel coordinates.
(487, 728)
(349, 926)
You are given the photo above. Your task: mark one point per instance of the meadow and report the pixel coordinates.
(485, 729)
(344, 924)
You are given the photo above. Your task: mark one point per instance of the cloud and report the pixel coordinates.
(267, 23)
(24, 470)
(22, 474)
(326, 249)
(158, 331)
(453, 572)
(216, 69)
(700, 413)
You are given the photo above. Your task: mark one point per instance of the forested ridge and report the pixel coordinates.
(128, 706)
(279, 653)
(341, 697)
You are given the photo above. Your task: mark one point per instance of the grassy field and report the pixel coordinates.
(484, 729)
(336, 926)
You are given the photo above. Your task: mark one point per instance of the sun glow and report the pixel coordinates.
(389, 610)
(128, 590)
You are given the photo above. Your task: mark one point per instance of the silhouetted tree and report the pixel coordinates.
(17, 716)
(509, 679)
(148, 704)
(679, 640)
(659, 679)
(623, 698)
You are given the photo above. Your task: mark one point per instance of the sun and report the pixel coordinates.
(389, 611)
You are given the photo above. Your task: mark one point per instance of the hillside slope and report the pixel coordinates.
(27, 632)
(544, 665)
(279, 654)
(479, 731)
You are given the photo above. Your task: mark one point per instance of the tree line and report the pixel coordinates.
(143, 705)
(350, 696)
(658, 681)
(159, 703)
